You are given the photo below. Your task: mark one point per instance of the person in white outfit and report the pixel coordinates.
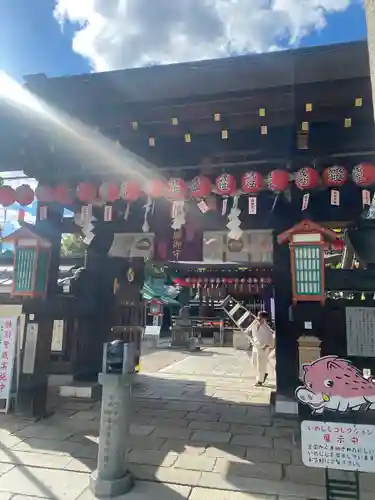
(262, 339)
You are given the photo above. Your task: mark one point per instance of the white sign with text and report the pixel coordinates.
(341, 446)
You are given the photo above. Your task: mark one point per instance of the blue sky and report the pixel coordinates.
(32, 41)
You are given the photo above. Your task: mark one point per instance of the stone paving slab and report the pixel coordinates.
(45, 483)
(260, 486)
(149, 491)
(209, 494)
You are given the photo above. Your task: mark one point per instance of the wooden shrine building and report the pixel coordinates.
(215, 159)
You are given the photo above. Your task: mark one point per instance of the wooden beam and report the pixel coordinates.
(332, 94)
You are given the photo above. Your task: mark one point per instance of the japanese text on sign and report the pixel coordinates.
(339, 446)
(109, 419)
(8, 333)
(360, 326)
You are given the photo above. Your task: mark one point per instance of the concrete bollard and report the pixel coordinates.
(112, 477)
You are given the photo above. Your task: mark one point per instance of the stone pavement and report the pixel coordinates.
(200, 431)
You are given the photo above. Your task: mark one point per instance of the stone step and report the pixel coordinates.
(81, 390)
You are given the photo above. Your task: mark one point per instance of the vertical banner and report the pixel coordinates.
(21, 215)
(366, 198)
(86, 213)
(252, 205)
(224, 206)
(203, 207)
(305, 201)
(8, 338)
(43, 212)
(335, 197)
(107, 213)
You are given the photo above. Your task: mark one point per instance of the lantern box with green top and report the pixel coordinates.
(32, 256)
(307, 244)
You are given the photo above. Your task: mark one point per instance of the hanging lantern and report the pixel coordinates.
(364, 174)
(226, 184)
(7, 196)
(335, 176)
(252, 182)
(130, 191)
(176, 189)
(86, 192)
(200, 187)
(307, 178)
(156, 188)
(24, 195)
(44, 193)
(108, 192)
(62, 194)
(278, 181)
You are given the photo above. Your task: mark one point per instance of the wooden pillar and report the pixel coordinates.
(286, 344)
(35, 362)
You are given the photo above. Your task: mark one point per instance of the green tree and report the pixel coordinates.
(72, 245)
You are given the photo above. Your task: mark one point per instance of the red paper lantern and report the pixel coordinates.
(7, 196)
(252, 182)
(364, 174)
(307, 178)
(24, 195)
(62, 194)
(226, 184)
(109, 192)
(86, 192)
(278, 180)
(200, 187)
(176, 189)
(156, 188)
(335, 176)
(130, 191)
(44, 193)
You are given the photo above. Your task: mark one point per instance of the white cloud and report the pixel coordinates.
(115, 34)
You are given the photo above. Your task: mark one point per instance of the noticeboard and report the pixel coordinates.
(340, 446)
(8, 339)
(360, 326)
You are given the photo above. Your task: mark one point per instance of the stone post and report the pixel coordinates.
(309, 350)
(112, 477)
(370, 18)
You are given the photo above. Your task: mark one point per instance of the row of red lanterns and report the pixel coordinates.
(85, 192)
(252, 182)
(237, 282)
